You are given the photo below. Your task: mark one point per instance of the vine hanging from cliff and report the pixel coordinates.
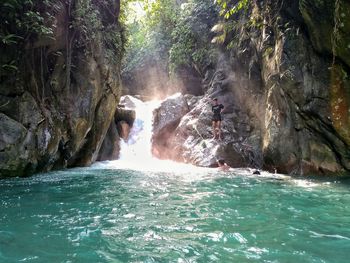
(335, 36)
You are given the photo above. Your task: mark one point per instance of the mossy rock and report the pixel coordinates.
(319, 18)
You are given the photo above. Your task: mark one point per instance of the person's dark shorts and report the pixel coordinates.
(216, 117)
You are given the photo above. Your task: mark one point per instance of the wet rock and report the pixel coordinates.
(192, 100)
(123, 114)
(29, 111)
(110, 148)
(304, 131)
(127, 102)
(15, 140)
(319, 19)
(191, 140)
(287, 106)
(120, 128)
(123, 130)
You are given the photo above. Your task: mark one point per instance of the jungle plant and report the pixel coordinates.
(22, 22)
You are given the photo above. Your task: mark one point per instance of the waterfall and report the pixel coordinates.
(135, 153)
(137, 148)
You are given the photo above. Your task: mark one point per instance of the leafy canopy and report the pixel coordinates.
(231, 7)
(176, 34)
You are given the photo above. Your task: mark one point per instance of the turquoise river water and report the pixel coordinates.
(120, 215)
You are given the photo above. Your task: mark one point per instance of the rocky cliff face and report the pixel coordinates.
(306, 89)
(57, 106)
(285, 83)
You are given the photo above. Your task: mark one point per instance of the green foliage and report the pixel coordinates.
(99, 21)
(172, 34)
(231, 7)
(21, 21)
(139, 46)
(29, 23)
(87, 21)
(10, 66)
(191, 37)
(233, 28)
(10, 39)
(149, 37)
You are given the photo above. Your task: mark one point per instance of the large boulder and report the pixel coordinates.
(13, 133)
(166, 117)
(169, 113)
(306, 122)
(302, 98)
(191, 140)
(110, 148)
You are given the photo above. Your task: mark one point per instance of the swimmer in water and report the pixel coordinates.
(222, 165)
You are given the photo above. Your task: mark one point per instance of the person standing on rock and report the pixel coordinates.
(216, 119)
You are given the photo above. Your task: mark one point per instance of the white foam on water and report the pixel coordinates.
(320, 235)
(137, 149)
(136, 153)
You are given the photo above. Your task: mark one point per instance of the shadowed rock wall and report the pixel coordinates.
(57, 107)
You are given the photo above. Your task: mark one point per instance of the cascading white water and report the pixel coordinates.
(135, 152)
(137, 148)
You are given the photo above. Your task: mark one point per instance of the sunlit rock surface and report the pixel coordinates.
(191, 140)
(166, 117)
(169, 113)
(286, 90)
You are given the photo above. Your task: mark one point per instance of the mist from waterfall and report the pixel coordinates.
(136, 151)
(137, 147)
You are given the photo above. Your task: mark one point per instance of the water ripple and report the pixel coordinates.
(97, 215)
